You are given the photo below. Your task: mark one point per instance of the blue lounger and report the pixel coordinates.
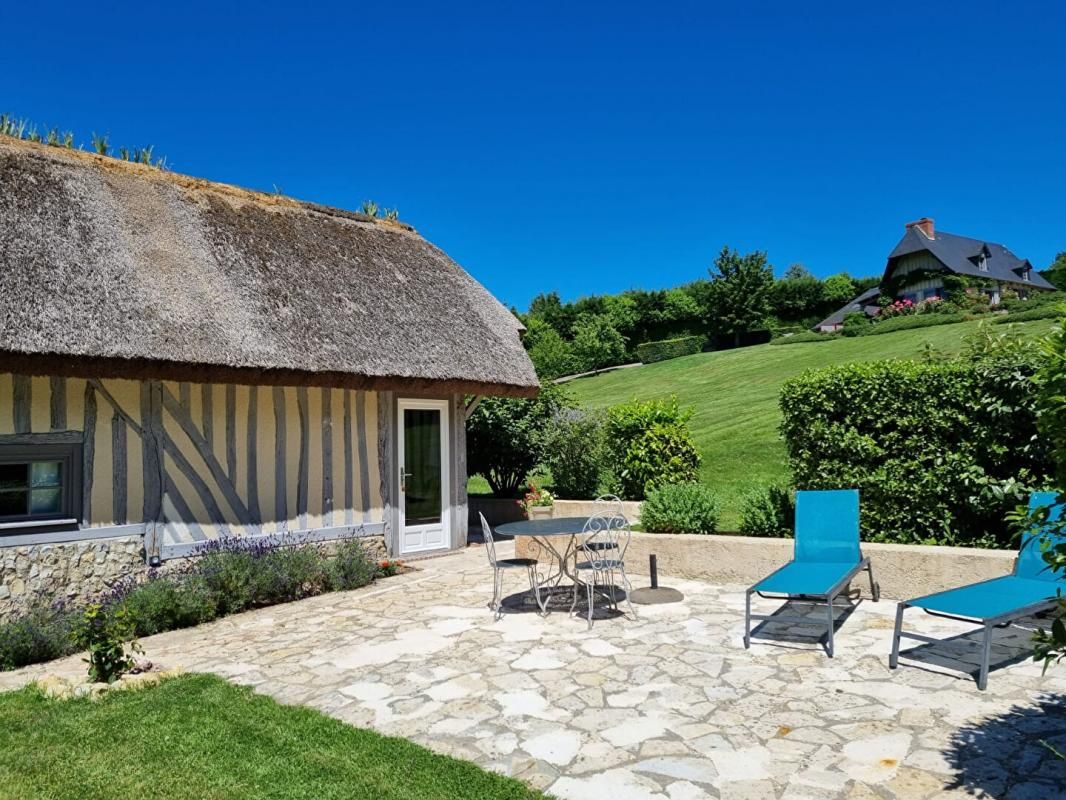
(826, 558)
(997, 602)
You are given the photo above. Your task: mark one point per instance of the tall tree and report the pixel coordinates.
(839, 289)
(1056, 273)
(797, 272)
(739, 293)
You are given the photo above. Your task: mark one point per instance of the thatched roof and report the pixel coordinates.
(119, 269)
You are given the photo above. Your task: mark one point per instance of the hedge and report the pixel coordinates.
(1041, 312)
(940, 451)
(913, 321)
(650, 352)
(806, 336)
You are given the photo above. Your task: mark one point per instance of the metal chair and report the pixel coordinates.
(616, 511)
(604, 543)
(500, 564)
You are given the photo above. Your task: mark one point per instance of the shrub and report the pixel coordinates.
(650, 352)
(1027, 315)
(806, 336)
(680, 508)
(940, 451)
(573, 452)
(169, 603)
(287, 573)
(350, 567)
(768, 511)
(41, 634)
(1035, 300)
(916, 321)
(106, 633)
(505, 437)
(649, 444)
(855, 324)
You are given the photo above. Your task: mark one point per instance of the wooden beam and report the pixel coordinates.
(472, 405)
(88, 452)
(57, 403)
(22, 403)
(364, 460)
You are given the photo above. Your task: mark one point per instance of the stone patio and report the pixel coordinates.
(669, 706)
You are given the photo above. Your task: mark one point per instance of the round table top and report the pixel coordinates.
(552, 526)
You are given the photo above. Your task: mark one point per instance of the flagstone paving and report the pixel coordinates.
(665, 707)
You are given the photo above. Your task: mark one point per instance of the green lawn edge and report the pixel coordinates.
(197, 737)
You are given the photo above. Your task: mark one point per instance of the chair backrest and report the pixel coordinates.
(827, 526)
(490, 544)
(611, 533)
(614, 499)
(1030, 563)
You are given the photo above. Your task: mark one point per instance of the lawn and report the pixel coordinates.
(200, 738)
(735, 392)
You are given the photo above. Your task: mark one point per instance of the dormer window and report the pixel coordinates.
(982, 263)
(1025, 274)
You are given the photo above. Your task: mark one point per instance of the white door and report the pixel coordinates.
(425, 523)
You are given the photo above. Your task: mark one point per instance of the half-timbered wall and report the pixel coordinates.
(192, 462)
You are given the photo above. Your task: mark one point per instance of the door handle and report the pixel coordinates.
(403, 479)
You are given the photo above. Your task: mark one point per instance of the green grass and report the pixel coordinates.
(735, 392)
(200, 738)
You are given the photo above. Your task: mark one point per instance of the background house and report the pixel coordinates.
(183, 360)
(919, 267)
(929, 254)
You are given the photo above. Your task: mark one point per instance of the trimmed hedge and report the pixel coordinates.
(940, 451)
(648, 444)
(650, 352)
(914, 321)
(1041, 312)
(806, 336)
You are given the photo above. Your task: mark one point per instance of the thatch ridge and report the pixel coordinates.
(129, 266)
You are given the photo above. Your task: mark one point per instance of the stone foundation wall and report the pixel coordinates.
(69, 571)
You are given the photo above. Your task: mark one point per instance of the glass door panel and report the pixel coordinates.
(422, 466)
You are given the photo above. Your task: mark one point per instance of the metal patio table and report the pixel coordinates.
(556, 536)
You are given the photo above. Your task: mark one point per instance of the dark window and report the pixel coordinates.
(39, 483)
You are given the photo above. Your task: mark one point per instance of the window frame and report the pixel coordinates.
(69, 454)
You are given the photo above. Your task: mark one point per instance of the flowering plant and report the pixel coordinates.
(388, 567)
(535, 497)
(898, 308)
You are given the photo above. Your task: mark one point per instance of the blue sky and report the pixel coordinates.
(588, 147)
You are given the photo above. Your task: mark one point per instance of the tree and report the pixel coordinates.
(505, 437)
(739, 294)
(839, 289)
(552, 356)
(797, 272)
(1056, 273)
(596, 342)
(798, 299)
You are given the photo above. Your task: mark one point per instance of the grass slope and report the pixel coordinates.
(735, 396)
(199, 737)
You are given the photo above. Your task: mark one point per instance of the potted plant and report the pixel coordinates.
(537, 503)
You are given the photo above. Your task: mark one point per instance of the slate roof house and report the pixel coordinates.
(928, 254)
(182, 360)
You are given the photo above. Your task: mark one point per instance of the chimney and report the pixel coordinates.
(925, 225)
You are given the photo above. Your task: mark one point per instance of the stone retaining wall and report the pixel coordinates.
(69, 571)
(904, 571)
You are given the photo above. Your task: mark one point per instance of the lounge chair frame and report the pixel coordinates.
(828, 598)
(999, 621)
